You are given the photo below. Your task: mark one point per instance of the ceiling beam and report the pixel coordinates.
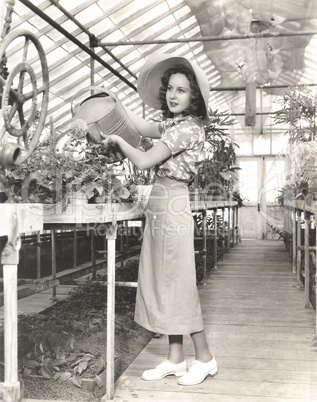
(229, 89)
(209, 38)
(86, 49)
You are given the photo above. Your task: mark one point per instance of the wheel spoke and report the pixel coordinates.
(21, 82)
(21, 116)
(25, 48)
(26, 142)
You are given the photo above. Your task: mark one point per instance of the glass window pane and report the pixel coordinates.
(248, 183)
(275, 170)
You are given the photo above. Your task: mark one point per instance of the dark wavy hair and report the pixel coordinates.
(197, 105)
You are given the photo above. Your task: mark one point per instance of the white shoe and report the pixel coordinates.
(163, 369)
(198, 371)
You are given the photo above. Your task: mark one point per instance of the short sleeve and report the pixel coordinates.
(180, 137)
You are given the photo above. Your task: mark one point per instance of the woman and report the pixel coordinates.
(167, 297)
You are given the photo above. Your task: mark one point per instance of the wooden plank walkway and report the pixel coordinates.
(39, 301)
(258, 329)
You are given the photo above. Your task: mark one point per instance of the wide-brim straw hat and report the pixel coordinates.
(149, 80)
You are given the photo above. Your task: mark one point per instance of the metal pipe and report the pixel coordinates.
(229, 89)
(208, 38)
(86, 49)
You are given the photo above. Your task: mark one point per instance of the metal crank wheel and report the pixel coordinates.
(25, 91)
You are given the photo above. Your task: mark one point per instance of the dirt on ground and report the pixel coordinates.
(66, 343)
(131, 342)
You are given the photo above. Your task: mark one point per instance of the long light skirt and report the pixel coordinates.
(167, 297)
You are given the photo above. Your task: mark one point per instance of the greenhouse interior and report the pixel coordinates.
(76, 197)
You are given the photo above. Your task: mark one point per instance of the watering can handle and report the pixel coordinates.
(91, 88)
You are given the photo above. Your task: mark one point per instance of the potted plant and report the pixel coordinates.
(298, 115)
(51, 174)
(217, 174)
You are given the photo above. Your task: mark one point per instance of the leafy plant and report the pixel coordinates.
(298, 113)
(298, 116)
(50, 173)
(217, 171)
(63, 363)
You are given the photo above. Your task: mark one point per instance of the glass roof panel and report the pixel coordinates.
(125, 20)
(89, 14)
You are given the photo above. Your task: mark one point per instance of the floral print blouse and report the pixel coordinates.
(185, 137)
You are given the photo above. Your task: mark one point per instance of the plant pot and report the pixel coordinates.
(76, 197)
(103, 199)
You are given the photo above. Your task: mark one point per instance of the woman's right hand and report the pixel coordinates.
(110, 141)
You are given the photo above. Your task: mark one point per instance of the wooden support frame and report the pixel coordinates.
(298, 208)
(74, 248)
(10, 388)
(299, 252)
(224, 241)
(306, 256)
(204, 223)
(54, 265)
(38, 254)
(294, 213)
(233, 228)
(316, 272)
(111, 236)
(216, 235)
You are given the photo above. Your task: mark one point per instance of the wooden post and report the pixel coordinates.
(250, 103)
(122, 248)
(224, 234)
(204, 213)
(215, 243)
(239, 234)
(75, 248)
(228, 234)
(10, 389)
(93, 253)
(111, 235)
(316, 272)
(233, 227)
(105, 246)
(3, 7)
(38, 254)
(299, 252)
(294, 241)
(54, 268)
(306, 247)
(10, 275)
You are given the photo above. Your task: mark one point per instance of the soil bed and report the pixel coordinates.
(67, 342)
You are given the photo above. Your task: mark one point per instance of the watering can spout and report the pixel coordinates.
(9, 155)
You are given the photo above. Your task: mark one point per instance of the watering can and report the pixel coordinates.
(105, 115)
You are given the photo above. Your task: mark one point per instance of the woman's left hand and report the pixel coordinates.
(111, 141)
(111, 148)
